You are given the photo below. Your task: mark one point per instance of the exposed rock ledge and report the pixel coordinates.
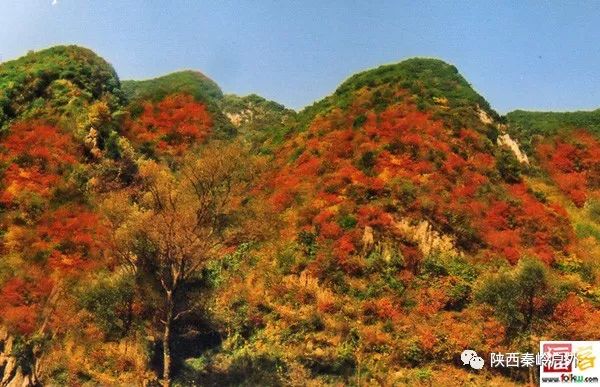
(421, 233)
(506, 140)
(424, 235)
(11, 374)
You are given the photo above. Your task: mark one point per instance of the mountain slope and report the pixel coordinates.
(528, 126)
(387, 228)
(192, 83)
(407, 234)
(377, 140)
(432, 84)
(565, 148)
(62, 111)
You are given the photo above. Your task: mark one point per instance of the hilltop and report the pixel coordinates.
(431, 83)
(59, 78)
(190, 82)
(193, 83)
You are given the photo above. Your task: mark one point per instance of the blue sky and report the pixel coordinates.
(539, 55)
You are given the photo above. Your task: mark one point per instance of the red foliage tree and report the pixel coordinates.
(172, 124)
(21, 300)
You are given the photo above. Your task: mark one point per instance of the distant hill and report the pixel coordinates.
(189, 82)
(262, 122)
(193, 83)
(528, 124)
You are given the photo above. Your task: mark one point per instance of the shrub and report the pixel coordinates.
(367, 162)
(508, 166)
(594, 210)
(111, 303)
(520, 298)
(359, 121)
(347, 222)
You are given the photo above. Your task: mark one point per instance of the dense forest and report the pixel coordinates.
(161, 232)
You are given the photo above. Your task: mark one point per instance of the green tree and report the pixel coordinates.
(520, 298)
(508, 166)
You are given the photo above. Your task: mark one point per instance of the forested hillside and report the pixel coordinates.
(161, 232)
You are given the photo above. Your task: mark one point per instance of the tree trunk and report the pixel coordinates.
(167, 343)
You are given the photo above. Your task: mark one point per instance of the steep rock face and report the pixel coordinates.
(11, 372)
(484, 116)
(427, 238)
(505, 140)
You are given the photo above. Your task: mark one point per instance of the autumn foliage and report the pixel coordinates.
(170, 126)
(366, 240)
(48, 237)
(402, 162)
(22, 300)
(572, 162)
(36, 154)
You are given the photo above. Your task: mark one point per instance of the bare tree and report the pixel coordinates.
(183, 217)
